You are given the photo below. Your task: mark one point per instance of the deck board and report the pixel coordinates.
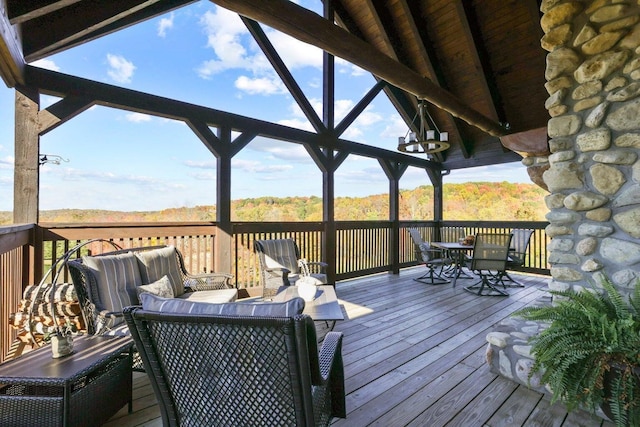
(414, 355)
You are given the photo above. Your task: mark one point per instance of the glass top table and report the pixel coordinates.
(325, 305)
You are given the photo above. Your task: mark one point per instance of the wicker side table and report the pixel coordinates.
(85, 388)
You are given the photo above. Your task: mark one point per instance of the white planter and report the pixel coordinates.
(61, 345)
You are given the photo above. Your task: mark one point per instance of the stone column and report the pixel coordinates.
(593, 81)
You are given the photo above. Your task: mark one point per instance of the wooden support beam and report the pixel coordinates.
(21, 11)
(310, 28)
(62, 111)
(58, 84)
(26, 168)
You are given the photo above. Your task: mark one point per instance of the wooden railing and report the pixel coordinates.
(362, 248)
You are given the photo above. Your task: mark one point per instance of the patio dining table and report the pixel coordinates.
(458, 251)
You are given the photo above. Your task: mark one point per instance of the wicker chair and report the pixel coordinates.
(239, 371)
(489, 261)
(280, 265)
(432, 259)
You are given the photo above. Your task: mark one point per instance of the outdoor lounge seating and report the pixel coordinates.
(280, 265)
(238, 364)
(432, 258)
(107, 283)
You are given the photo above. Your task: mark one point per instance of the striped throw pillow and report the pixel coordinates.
(156, 263)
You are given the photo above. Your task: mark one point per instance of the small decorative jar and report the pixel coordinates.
(306, 288)
(61, 345)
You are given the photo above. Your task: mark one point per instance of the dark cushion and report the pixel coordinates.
(117, 277)
(289, 308)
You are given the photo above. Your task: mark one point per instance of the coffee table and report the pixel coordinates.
(83, 389)
(324, 307)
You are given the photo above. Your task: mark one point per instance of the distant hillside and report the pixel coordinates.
(470, 201)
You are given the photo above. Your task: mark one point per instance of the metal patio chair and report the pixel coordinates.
(432, 258)
(489, 261)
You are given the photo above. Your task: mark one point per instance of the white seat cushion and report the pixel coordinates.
(215, 296)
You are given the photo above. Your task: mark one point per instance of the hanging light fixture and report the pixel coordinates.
(423, 141)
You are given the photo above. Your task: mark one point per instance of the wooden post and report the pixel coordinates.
(27, 143)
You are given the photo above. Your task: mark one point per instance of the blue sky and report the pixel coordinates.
(202, 54)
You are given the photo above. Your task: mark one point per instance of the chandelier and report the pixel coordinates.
(423, 141)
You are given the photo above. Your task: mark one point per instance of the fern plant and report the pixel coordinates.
(590, 352)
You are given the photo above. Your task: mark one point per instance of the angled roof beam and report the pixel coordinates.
(310, 28)
(68, 30)
(20, 11)
(359, 107)
(276, 61)
(12, 63)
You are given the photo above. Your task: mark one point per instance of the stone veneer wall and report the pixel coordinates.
(593, 81)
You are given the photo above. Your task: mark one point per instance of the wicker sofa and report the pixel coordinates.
(107, 283)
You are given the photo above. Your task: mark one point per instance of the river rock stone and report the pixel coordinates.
(562, 61)
(606, 179)
(561, 156)
(587, 246)
(556, 84)
(632, 39)
(615, 83)
(620, 251)
(584, 201)
(563, 176)
(556, 285)
(586, 33)
(564, 126)
(591, 265)
(557, 230)
(635, 172)
(560, 244)
(594, 230)
(627, 278)
(625, 118)
(595, 117)
(585, 104)
(559, 15)
(630, 91)
(628, 140)
(616, 157)
(554, 201)
(558, 217)
(600, 214)
(563, 258)
(598, 67)
(630, 196)
(619, 24)
(560, 144)
(602, 42)
(629, 221)
(587, 90)
(609, 13)
(597, 139)
(566, 274)
(555, 99)
(555, 37)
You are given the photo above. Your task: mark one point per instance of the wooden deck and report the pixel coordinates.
(414, 356)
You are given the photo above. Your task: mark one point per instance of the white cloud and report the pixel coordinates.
(164, 25)
(253, 166)
(120, 69)
(260, 85)
(6, 162)
(234, 48)
(137, 117)
(47, 64)
(200, 164)
(281, 150)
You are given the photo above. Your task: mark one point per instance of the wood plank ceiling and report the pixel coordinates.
(476, 58)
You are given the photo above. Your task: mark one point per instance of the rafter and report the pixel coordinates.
(21, 11)
(308, 27)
